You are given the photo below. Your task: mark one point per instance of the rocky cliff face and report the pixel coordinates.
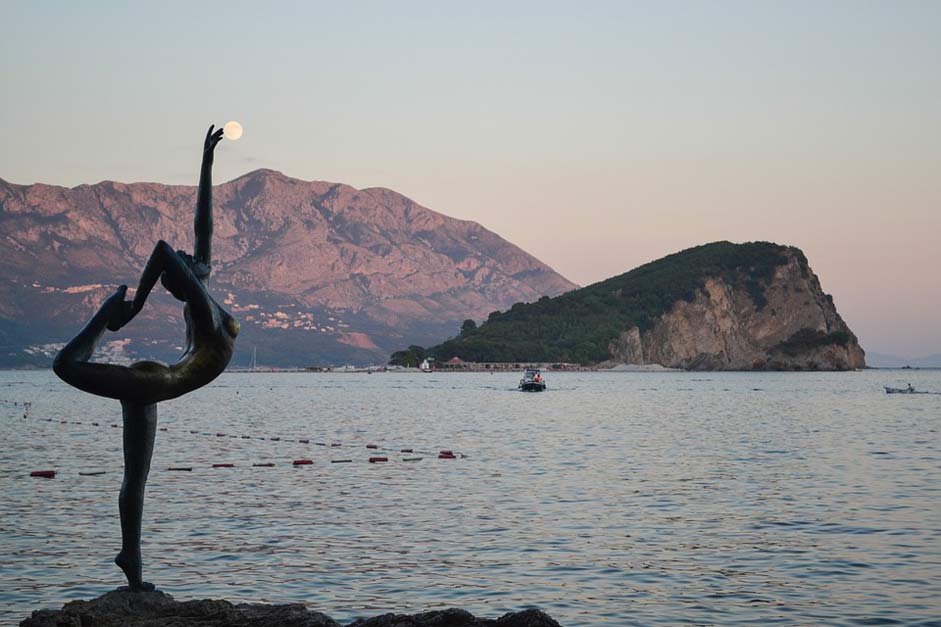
(316, 272)
(789, 323)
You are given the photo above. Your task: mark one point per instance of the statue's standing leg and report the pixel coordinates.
(140, 428)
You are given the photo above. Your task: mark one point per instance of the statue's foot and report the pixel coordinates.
(115, 309)
(131, 565)
(145, 586)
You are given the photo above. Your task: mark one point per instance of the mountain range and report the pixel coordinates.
(316, 272)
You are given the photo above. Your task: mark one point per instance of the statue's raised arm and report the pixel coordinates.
(202, 224)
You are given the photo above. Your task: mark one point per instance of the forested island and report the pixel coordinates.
(719, 306)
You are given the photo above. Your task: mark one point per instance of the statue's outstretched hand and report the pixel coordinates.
(213, 137)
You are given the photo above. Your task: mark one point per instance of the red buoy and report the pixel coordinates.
(303, 462)
(48, 474)
(373, 460)
(223, 465)
(372, 446)
(447, 452)
(274, 439)
(446, 455)
(220, 435)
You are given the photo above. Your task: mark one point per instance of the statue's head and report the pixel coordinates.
(175, 286)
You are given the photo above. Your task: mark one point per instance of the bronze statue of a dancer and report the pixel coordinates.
(210, 338)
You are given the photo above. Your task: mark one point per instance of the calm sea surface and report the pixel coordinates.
(612, 499)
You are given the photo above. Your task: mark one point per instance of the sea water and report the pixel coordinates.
(610, 499)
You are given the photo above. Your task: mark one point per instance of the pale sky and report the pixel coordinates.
(596, 136)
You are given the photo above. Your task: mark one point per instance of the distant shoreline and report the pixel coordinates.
(588, 369)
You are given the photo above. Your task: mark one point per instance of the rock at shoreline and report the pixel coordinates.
(122, 608)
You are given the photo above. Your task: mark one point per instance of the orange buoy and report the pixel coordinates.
(303, 462)
(46, 474)
(373, 460)
(223, 465)
(220, 435)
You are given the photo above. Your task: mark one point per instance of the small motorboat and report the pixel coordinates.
(532, 381)
(908, 390)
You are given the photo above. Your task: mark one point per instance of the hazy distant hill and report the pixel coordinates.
(720, 306)
(316, 272)
(880, 360)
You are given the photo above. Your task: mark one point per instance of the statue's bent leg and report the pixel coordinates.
(82, 346)
(140, 427)
(73, 367)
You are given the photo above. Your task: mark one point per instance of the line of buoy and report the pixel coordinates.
(443, 454)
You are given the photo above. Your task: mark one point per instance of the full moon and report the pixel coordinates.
(232, 130)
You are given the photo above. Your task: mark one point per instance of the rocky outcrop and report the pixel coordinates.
(786, 322)
(316, 272)
(121, 608)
